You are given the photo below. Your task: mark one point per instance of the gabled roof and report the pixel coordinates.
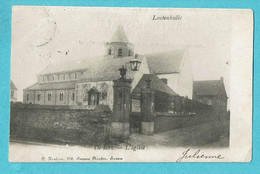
(119, 35)
(102, 69)
(165, 62)
(209, 87)
(93, 90)
(12, 86)
(53, 86)
(156, 84)
(70, 65)
(108, 69)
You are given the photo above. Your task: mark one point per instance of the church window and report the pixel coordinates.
(73, 96)
(93, 96)
(129, 53)
(64, 76)
(61, 96)
(49, 96)
(120, 52)
(209, 101)
(39, 96)
(27, 97)
(104, 88)
(76, 75)
(109, 52)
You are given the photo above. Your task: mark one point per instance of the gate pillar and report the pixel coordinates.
(120, 126)
(147, 109)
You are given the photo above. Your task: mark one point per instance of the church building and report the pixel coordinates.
(87, 83)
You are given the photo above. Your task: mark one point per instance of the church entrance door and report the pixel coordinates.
(93, 96)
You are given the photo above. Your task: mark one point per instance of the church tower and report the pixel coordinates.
(119, 46)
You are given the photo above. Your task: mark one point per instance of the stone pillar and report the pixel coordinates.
(147, 110)
(120, 126)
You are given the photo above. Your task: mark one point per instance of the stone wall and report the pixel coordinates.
(59, 124)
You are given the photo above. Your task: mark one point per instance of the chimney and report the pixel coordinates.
(221, 78)
(164, 80)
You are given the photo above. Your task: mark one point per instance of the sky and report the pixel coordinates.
(42, 35)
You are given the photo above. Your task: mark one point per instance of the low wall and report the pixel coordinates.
(165, 121)
(55, 124)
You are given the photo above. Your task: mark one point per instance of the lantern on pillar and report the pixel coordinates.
(134, 66)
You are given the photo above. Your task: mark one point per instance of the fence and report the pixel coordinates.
(178, 104)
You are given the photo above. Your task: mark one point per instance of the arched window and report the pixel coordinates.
(73, 96)
(61, 95)
(104, 89)
(27, 97)
(109, 51)
(49, 96)
(129, 53)
(120, 52)
(209, 102)
(39, 96)
(93, 96)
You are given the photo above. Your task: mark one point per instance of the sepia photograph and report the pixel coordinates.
(130, 84)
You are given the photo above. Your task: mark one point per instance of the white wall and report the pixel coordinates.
(182, 82)
(138, 75)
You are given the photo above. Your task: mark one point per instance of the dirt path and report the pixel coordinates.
(213, 134)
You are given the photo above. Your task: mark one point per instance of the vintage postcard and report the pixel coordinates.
(131, 84)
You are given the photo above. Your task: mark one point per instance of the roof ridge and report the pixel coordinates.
(206, 80)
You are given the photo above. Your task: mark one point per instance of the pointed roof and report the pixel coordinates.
(119, 35)
(12, 86)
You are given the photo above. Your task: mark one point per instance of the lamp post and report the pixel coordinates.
(134, 66)
(120, 126)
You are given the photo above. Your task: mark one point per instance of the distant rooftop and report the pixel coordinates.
(12, 86)
(208, 87)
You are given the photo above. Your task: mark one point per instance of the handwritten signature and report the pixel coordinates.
(197, 155)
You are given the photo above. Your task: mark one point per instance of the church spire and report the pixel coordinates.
(119, 46)
(119, 35)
